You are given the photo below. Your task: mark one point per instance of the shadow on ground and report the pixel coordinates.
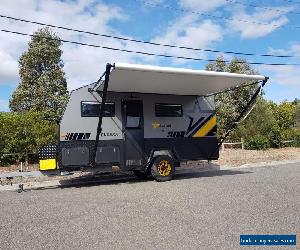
(119, 178)
(212, 173)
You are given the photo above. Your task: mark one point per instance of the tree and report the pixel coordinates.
(260, 122)
(43, 87)
(261, 126)
(231, 103)
(296, 102)
(285, 115)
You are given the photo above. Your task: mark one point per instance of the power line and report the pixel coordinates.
(290, 1)
(214, 16)
(262, 7)
(144, 53)
(144, 42)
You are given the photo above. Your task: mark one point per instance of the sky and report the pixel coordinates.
(257, 27)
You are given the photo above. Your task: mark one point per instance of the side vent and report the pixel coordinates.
(133, 162)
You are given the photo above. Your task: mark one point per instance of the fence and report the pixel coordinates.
(233, 144)
(242, 144)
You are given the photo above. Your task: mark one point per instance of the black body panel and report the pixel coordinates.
(108, 154)
(133, 124)
(79, 153)
(186, 148)
(75, 156)
(112, 152)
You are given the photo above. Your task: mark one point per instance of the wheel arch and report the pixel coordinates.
(162, 152)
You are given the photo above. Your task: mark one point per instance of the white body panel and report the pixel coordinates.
(72, 122)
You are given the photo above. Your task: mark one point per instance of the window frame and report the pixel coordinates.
(170, 115)
(98, 103)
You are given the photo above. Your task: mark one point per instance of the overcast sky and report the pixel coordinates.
(191, 23)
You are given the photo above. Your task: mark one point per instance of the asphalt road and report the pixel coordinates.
(194, 211)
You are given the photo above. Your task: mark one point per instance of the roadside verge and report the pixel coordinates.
(184, 170)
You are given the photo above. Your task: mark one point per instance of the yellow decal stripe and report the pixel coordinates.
(208, 126)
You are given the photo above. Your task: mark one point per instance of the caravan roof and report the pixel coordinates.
(166, 80)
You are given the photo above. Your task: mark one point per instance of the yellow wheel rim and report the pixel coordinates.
(164, 168)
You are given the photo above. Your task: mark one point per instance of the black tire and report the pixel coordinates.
(163, 168)
(140, 174)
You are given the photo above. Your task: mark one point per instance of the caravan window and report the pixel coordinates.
(133, 112)
(168, 110)
(92, 109)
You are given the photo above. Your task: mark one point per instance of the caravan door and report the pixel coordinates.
(133, 124)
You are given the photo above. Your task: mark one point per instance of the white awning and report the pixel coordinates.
(165, 80)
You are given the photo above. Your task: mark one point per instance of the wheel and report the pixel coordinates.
(140, 174)
(163, 168)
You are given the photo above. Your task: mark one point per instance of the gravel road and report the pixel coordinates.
(207, 210)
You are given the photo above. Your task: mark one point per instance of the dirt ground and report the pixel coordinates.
(16, 167)
(237, 157)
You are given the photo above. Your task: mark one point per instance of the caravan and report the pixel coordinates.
(146, 119)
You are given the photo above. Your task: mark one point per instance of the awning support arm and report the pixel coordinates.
(230, 89)
(243, 114)
(96, 83)
(101, 112)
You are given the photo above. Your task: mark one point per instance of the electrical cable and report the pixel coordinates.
(143, 52)
(144, 42)
(262, 7)
(214, 16)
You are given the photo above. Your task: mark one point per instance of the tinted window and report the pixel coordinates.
(168, 110)
(92, 109)
(133, 112)
(133, 122)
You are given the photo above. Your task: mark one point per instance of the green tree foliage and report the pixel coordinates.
(285, 115)
(260, 121)
(296, 102)
(260, 129)
(268, 125)
(24, 133)
(257, 142)
(43, 87)
(231, 103)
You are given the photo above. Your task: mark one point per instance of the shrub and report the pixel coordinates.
(6, 160)
(257, 143)
(24, 134)
(296, 143)
(292, 135)
(275, 138)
